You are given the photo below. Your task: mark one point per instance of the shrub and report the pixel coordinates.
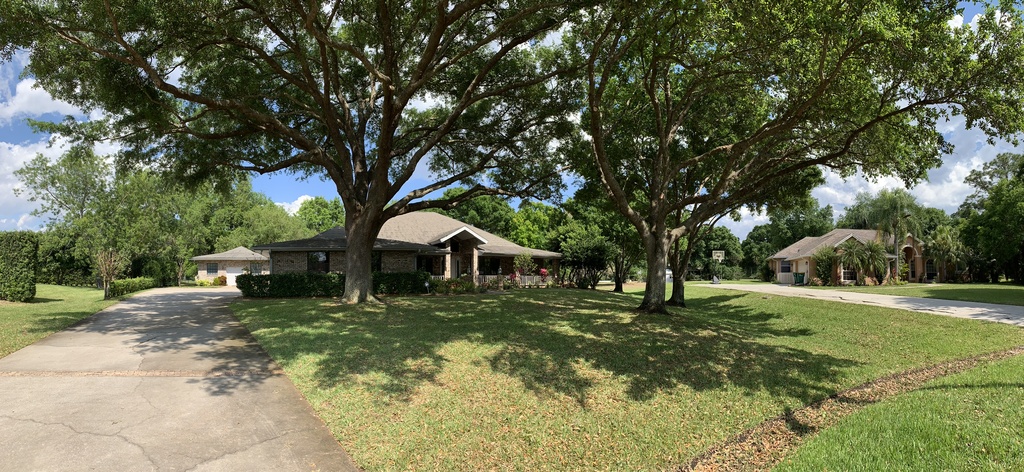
(220, 280)
(126, 286)
(297, 284)
(18, 255)
(824, 263)
(400, 283)
(203, 283)
(765, 273)
(451, 286)
(523, 264)
(729, 273)
(304, 284)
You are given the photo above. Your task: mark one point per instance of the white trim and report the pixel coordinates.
(466, 229)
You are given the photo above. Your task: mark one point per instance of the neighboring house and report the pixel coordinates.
(797, 257)
(230, 264)
(425, 241)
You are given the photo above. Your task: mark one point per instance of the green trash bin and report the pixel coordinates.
(798, 278)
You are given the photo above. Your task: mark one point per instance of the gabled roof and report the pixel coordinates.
(809, 245)
(237, 254)
(420, 231)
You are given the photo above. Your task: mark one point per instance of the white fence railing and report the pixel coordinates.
(522, 280)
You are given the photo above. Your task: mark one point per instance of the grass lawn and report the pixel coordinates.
(572, 379)
(54, 308)
(970, 421)
(1007, 294)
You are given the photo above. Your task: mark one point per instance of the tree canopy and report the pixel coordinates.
(718, 105)
(367, 94)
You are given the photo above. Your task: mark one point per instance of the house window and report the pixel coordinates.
(490, 265)
(318, 261)
(426, 264)
(849, 274)
(211, 268)
(929, 269)
(255, 268)
(785, 267)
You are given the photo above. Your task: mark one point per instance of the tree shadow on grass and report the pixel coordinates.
(543, 338)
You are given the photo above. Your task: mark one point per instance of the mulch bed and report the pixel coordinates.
(765, 445)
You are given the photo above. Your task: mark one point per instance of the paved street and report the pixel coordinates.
(1008, 314)
(166, 380)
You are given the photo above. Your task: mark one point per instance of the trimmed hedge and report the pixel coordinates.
(305, 284)
(19, 251)
(297, 284)
(126, 286)
(401, 283)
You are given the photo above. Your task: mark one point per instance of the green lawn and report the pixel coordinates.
(971, 421)
(54, 308)
(1007, 294)
(556, 379)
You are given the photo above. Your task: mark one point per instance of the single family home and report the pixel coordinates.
(418, 241)
(230, 264)
(796, 262)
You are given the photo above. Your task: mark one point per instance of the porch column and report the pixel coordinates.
(473, 263)
(446, 269)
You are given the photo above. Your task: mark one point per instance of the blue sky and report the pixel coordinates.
(19, 100)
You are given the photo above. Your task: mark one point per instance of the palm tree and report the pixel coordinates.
(875, 259)
(893, 212)
(946, 248)
(851, 255)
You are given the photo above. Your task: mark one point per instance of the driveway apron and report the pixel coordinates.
(166, 380)
(1008, 314)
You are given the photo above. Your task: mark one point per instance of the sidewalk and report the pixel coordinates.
(1008, 314)
(166, 380)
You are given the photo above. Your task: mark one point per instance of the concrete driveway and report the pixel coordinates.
(166, 380)
(1008, 314)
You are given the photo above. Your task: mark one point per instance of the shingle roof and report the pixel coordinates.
(237, 254)
(809, 245)
(418, 231)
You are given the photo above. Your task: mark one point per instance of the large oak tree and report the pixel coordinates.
(708, 105)
(364, 93)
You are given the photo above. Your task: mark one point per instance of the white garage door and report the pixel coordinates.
(233, 272)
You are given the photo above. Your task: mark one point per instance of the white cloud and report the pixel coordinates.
(14, 210)
(32, 101)
(293, 207)
(748, 220)
(956, 22)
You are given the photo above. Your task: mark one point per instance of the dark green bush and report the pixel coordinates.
(126, 286)
(451, 286)
(400, 283)
(305, 284)
(18, 254)
(296, 284)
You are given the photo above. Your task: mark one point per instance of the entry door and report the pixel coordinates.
(233, 272)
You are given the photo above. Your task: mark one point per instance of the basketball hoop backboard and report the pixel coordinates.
(718, 256)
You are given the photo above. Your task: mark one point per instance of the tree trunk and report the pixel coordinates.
(899, 254)
(656, 245)
(680, 267)
(360, 235)
(620, 265)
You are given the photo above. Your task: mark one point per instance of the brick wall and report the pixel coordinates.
(283, 262)
(337, 260)
(391, 261)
